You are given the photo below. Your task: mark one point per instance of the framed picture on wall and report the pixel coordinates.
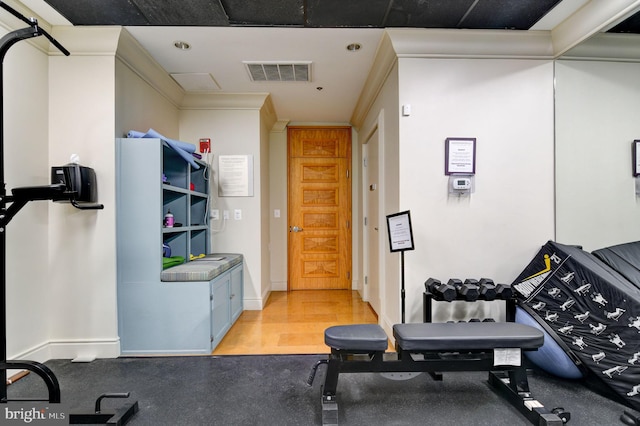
(636, 157)
(460, 156)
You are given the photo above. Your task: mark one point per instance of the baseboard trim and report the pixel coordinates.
(72, 349)
(253, 304)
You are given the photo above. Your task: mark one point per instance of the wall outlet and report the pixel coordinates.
(225, 214)
(237, 214)
(215, 214)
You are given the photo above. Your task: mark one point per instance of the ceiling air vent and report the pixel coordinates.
(279, 71)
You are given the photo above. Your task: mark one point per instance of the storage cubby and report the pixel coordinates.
(174, 168)
(199, 242)
(176, 240)
(175, 202)
(185, 309)
(200, 181)
(198, 210)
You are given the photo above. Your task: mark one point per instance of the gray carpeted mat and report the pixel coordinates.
(272, 390)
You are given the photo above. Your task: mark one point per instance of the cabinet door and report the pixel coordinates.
(220, 308)
(237, 289)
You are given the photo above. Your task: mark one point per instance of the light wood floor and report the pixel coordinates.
(294, 322)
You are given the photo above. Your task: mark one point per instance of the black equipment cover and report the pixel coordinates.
(591, 310)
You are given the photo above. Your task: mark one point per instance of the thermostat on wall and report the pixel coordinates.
(461, 183)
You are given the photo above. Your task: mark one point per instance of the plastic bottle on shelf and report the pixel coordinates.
(168, 220)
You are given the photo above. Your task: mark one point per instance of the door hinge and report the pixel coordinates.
(347, 173)
(349, 275)
(365, 221)
(211, 339)
(348, 224)
(366, 280)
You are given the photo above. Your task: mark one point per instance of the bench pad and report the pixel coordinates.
(471, 336)
(356, 337)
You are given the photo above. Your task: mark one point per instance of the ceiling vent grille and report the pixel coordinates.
(279, 71)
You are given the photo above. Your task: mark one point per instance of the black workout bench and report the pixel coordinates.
(435, 348)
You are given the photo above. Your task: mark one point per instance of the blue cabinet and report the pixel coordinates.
(186, 311)
(226, 303)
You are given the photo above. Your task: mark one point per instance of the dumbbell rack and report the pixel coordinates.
(428, 298)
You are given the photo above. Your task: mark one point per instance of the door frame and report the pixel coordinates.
(381, 241)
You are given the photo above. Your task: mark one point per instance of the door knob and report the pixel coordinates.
(295, 229)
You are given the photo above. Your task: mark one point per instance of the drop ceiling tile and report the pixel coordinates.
(265, 13)
(509, 14)
(99, 12)
(181, 12)
(341, 13)
(428, 13)
(631, 25)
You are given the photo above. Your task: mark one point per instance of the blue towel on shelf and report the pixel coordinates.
(184, 149)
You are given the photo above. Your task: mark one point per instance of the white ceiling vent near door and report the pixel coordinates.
(279, 71)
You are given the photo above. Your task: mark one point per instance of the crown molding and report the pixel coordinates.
(226, 101)
(139, 61)
(593, 18)
(383, 63)
(460, 43)
(86, 41)
(11, 23)
(446, 43)
(607, 47)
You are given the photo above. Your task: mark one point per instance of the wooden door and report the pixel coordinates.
(319, 202)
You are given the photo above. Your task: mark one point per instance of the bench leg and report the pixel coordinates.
(331, 378)
(329, 411)
(514, 387)
(329, 389)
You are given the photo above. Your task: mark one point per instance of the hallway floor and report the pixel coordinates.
(294, 322)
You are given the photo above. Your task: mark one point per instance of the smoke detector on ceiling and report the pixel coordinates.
(279, 71)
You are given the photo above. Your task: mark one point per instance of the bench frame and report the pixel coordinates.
(509, 381)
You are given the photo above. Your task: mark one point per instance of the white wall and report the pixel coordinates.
(94, 98)
(235, 132)
(508, 106)
(278, 201)
(267, 119)
(82, 263)
(597, 106)
(383, 116)
(26, 163)
(140, 107)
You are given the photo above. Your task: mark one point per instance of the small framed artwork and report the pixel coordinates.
(400, 232)
(636, 157)
(460, 156)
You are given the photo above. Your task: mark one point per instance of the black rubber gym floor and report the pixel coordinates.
(272, 390)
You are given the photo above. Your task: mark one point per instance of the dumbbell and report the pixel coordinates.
(439, 290)
(468, 290)
(503, 291)
(487, 289)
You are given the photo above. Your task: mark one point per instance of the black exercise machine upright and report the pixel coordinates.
(69, 187)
